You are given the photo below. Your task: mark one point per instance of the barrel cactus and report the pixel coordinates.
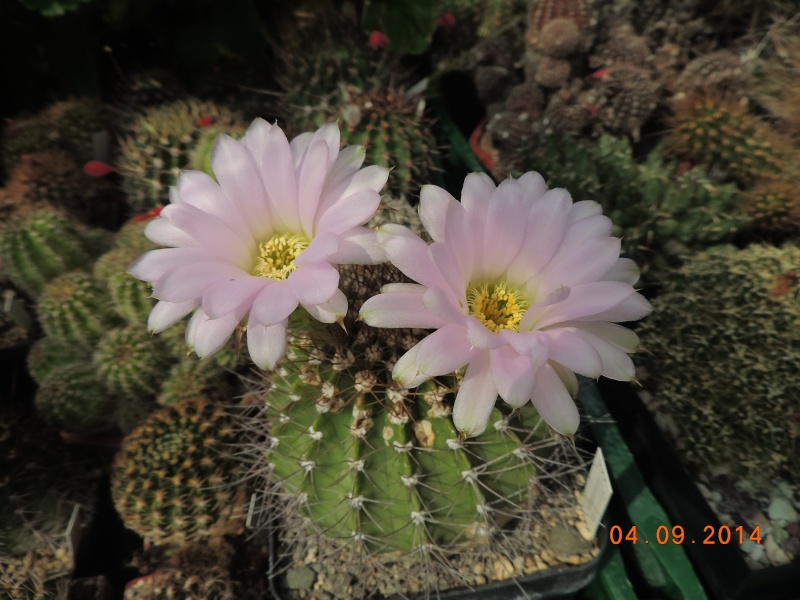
(71, 398)
(172, 480)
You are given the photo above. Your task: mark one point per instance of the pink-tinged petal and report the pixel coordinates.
(152, 265)
(347, 164)
(359, 246)
(314, 283)
(476, 397)
(276, 164)
(162, 232)
(406, 372)
(210, 335)
(349, 212)
(228, 296)
(444, 351)
(266, 345)
(624, 270)
(533, 344)
(618, 336)
(310, 178)
(513, 375)
(256, 135)
(330, 135)
(390, 288)
(450, 272)
(591, 301)
(240, 180)
(190, 281)
(612, 342)
(534, 185)
(298, 147)
(399, 309)
(433, 205)
(477, 193)
(273, 304)
(547, 224)
(208, 231)
(370, 178)
(321, 248)
(410, 254)
(480, 337)
(574, 352)
(598, 226)
(441, 304)
(332, 311)
(166, 314)
(201, 191)
(458, 233)
(505, 228)
(578, 264)
(567, 377)
(583, 209)
(554, 403)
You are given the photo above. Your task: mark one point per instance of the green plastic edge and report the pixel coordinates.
(611, 581)
(665, 568)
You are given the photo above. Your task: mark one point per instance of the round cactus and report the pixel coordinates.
(747, 395)
(165, 140)
(131, 362)
(623, 99)
(72, 399)
(167, 584)
(191, 377)
(172, 480)
(773, 206)
(48, 354)
(720, 132)
(40, 247)
(72, 309)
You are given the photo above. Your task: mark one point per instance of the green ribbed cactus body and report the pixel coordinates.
(172, 480)
(386, 467)
(72, 398)
(190, 377)
(169, 584)
(167, 139)
(131, 362)
(48, 354)
(40, 247)
(132, 298)
(72, 309)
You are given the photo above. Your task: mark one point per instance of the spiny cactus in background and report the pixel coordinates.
(72, 399)
(545, 12)
(773, 206)
(71, 125)
(73, 309)
(720, 132)
(16, 321)
(721, 71)
(192, 377)
(43, 245)
(130, 362)
(48, 354)
(379, 469)
(165, 140)
(168, 584)
(622, 99)
(658, 211)
(172, 481)
(740, 307)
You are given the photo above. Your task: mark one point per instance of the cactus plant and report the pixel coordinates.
(72, 399)
(48, 354)
(74, 310)
(166, 584)
(773, 205)
(41, 246)
(172, 480)
(729, 412)
(165, 140)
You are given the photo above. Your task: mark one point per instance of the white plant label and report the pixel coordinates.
(596, 494)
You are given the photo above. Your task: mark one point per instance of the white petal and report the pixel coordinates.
(358, 246)
(310, 179)
(191, 281)
(349, 212)
(533, 184)
(476, 194)
(554, 403)
(202, 192)
(506, 223)
(433, 205)
(444, 351)
(166, 314)
(321, 248)
(152, 265)
(276, 164)
(369, 178)
(476, 397)
(314, 283)
(274, 304)
(229, 295)
(164, 233)
(406, 371)
(266, 345)
(513, 375)
(399, 309)
(574, 352)
(441, 304)
(410, 254)
(331, 311)
(208, 231)
(574, 265)
(481, 337)
(210, 335)
(623, 270)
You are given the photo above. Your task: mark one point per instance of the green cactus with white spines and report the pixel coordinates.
(191, 377)
(71, 398)
(130, 362)
(383, 469)
(48, 354)
(172, 480)
(734, 411)
(73, 309)
(40, 247)
(167, 139)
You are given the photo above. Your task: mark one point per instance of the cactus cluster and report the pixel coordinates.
(172, 481)
(773, 206)
(659, 211)
(722, 353)
(166, 139)
(168, 584)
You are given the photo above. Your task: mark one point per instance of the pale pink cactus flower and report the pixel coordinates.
(262, 239)
(523, 287)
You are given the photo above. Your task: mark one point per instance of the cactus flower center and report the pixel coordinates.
(497, 305)
(276, 256)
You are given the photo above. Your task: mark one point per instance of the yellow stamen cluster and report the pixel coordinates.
(276, 255)
(497, 306)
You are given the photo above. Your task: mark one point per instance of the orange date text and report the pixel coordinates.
(676, 535)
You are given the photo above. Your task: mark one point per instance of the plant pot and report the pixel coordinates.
(721, 567)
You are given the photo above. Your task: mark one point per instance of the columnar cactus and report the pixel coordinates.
(172, 480)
